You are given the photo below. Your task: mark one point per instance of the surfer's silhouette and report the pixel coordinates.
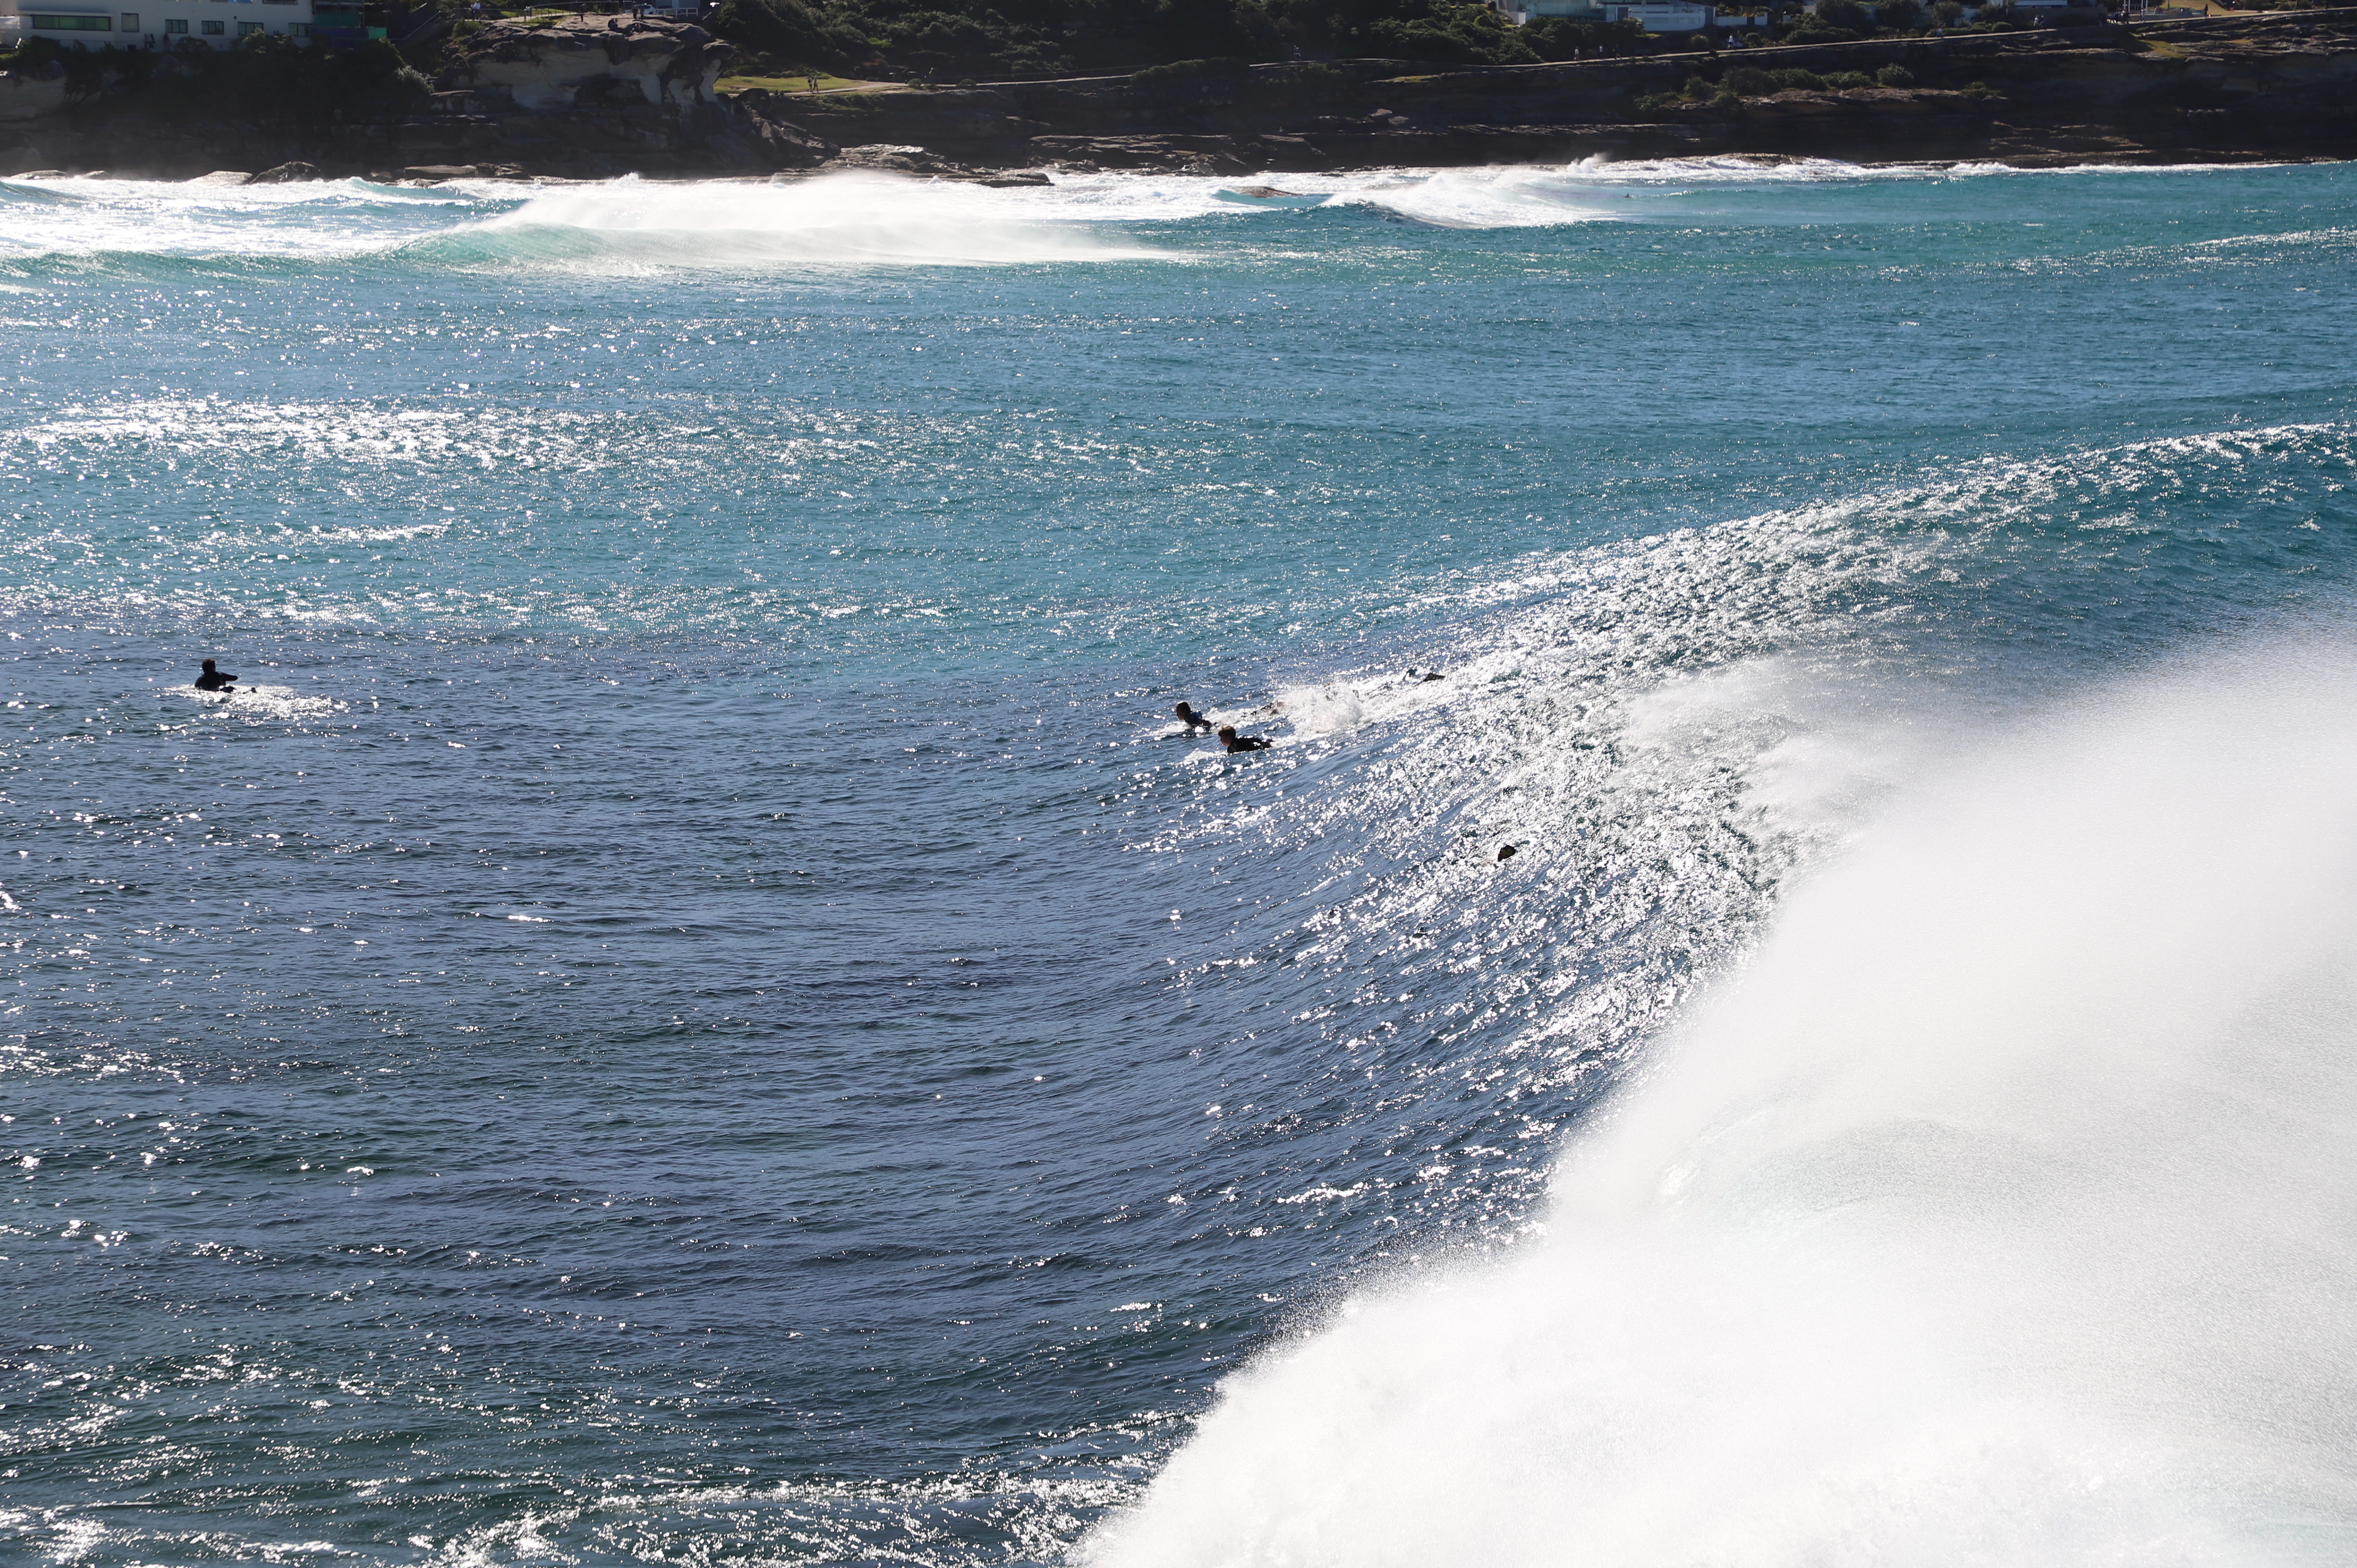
(1193, 721)
(1235, 742)
(213, 680)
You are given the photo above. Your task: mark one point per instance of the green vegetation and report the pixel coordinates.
(802, 82)
(1751, 81)
(1202, 72)
(943, 39)
(266, 79)
(1559, 37)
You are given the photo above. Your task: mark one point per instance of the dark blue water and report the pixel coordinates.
(695, 1010)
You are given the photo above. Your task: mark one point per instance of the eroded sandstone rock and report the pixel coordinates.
(591, 63)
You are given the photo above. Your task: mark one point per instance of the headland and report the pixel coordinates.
(595, 97)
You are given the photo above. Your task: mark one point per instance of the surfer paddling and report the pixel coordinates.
(213, 680)
(1196, 723)
(1235, 742)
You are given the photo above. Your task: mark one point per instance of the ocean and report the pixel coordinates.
(696, 1007)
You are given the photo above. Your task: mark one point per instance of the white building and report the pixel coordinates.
(1653, 16)
(1664, 15)
(155, 25)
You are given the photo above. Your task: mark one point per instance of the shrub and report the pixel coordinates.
(1751, 81)
(1455, 35)
(1895, 75)
(1727, 99)
(1901, 15)
(1199, 72)
(789, 32)
(1792, 76)
(268, 78)
(1844, 81)
(1554, 38)
(1848, 14)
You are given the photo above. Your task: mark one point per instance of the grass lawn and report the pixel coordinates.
(798, 83)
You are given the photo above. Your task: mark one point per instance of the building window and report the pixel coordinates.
(212, 29)
(174, 24)
(131, 21)
(247, 29)
(298, 29)
(71, 23)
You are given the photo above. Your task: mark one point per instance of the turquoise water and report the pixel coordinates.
(698, 1012)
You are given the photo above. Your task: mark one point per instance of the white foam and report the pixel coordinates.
(1998, 1212)
(857, 220)
(1328, 708)
(262, 702)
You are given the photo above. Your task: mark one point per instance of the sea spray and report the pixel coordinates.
(1998, 1211)
(849, 219)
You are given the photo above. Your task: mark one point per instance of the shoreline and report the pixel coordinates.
(2276, 87)
(1033, 179)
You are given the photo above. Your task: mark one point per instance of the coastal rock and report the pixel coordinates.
(30, 94)
(590, 62)
(286, 174)
(1165, 155)
(891, 158)
(777, 141)
(433, 174)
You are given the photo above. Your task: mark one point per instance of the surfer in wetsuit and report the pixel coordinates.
(1194, 720)
(213, 680)
(1235, 742)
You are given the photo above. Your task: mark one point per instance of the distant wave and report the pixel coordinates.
(68, 229)
(851, 220)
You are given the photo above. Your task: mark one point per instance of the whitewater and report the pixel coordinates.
(699, 1008)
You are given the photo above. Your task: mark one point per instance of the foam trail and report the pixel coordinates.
(1329, 709)
(1999, 1212)
(851, 220)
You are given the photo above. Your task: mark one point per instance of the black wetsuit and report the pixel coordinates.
(1248, 743)
(214, 681)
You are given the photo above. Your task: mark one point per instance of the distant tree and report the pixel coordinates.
(1449, 34)
(787, 32)
(1556, 37)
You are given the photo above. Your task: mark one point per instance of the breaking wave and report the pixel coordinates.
(1995, 1211)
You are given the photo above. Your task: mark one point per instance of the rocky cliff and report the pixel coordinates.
(587, 63)
(595, 97)
(2273, 86)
